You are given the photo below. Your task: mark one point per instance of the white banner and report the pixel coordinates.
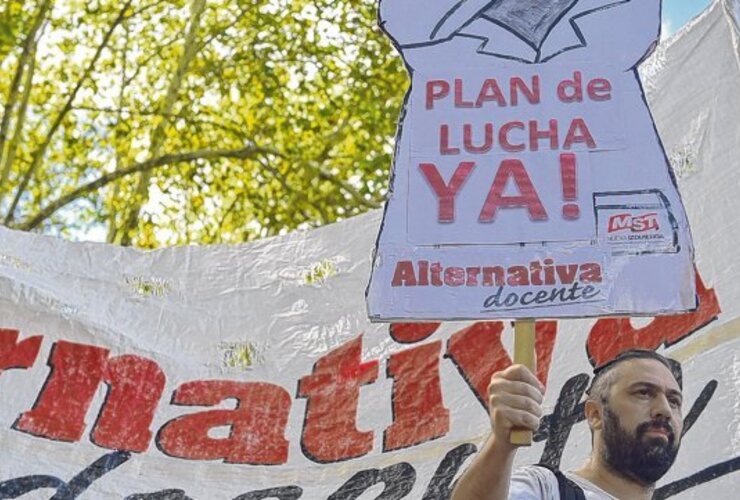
(220, 372)
(529, 179)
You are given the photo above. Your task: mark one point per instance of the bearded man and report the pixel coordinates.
(633, 410)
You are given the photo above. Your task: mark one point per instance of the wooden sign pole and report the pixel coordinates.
(523, 355)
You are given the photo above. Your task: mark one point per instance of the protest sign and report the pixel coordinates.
(529, 180)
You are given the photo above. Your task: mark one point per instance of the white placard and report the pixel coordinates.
(529, 179)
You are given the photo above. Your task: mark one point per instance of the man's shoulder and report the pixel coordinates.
(590, 489)
(533, 483)
(536, 482)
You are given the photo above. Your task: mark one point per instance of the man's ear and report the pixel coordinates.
(594, 414)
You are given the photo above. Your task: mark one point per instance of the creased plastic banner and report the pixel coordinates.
(252, 372)
(529, 179)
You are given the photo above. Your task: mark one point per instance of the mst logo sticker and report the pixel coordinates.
(633, 223)
(636, 222)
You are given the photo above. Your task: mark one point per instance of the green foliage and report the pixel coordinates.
(241, 356)
(11, 18)
(320, 272)
(223, 121)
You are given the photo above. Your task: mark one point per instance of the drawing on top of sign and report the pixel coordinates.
(529, 180)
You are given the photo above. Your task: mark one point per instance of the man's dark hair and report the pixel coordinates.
(604, 374)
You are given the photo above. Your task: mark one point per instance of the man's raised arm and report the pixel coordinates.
(514, 400)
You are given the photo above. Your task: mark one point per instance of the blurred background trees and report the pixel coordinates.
(152, 123)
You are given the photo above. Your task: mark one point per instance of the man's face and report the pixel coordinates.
(642, 421)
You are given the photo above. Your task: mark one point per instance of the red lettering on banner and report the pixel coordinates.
(419, 414)
(136, 386)
(257, 425)
(14, 354)
(446, 193)
(528, 198)
(546, 333)
(59, 412)
(478, 353)
(330, 431)
(610, 337)
(408, 333)
(77, 370)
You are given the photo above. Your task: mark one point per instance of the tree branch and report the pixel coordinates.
(233, 128)
(20, 121)
(289, 189)
(119, 112)
(41, 151)
(348, 188)
(246, 153)
(28, 45)
(219, 226)
(330, 142)
(221, 32)
(190, 49)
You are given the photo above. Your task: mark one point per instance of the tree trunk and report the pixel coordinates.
(122, 234)
(20, 121)
(28, 46)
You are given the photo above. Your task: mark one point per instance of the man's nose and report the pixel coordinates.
(661, 407)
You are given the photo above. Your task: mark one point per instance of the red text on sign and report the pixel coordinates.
(633, 223)
(510, 171)
(516, 136)
(490, 91)
(571, 90)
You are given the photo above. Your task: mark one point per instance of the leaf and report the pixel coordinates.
(313, 84)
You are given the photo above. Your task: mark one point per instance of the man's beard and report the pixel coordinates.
(638, 457)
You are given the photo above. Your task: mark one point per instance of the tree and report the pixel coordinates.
(161, 122)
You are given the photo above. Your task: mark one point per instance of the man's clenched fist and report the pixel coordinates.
(514, 401)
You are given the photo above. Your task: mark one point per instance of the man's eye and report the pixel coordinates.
(676, 403)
